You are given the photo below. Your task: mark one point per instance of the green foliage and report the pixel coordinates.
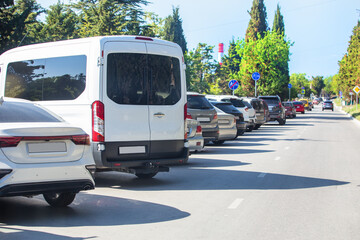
(328, 89)
(257, 24)
(318, 84)
(173, 30)
(278, 24)
(200, 68)
(299, 80)
(154, 25)
(269, 56)
(349, 72)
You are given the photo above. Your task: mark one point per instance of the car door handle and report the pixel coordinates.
(159, 115)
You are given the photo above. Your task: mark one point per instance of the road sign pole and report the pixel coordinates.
(289, 94)
(255, 87)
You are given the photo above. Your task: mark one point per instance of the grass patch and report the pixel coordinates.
(352, 111)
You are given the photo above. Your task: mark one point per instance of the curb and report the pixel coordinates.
(357, 122)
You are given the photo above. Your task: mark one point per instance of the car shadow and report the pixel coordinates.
(16, 233)
(87, 210)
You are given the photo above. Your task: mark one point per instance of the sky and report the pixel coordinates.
(319, 29)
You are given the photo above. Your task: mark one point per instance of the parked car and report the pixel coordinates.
(290, 109)
(299, 106)
(276, 109)
(306, 104)
(42, 154)
(316, 101)
(227, 127)
(199, 108)
(258, 106)
(240, 105)
(327, 104)
(127, 92)
(231, 109)
(194, 135)
(266, 110)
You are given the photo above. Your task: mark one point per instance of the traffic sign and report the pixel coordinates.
(356, 89)
(302, 87)
(255, 76)
(233, 84)
(289, 85)
(302, 91)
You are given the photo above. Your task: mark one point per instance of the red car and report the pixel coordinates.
(290, 111)
(299, 106)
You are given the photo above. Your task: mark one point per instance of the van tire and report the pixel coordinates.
(59, 199)
(146, 175)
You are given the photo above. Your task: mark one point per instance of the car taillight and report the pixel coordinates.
(246, 109)
(81, 139)
(198, 129)
(9, 141)
(215, 116)
(98, 130)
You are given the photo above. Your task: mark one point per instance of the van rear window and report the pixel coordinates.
(142, 79)
(60, 78)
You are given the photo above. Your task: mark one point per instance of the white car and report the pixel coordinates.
(42, 154)
(249, 116)
(194, 135)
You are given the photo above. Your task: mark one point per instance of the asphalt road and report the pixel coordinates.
(298, 181)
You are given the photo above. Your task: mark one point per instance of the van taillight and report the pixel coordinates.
(98, 130)
(186, 114)
(144, 38)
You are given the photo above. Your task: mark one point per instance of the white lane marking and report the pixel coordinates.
(277, 158)
(261, 175)
(298, 136)
(287, 148)
(235, 204)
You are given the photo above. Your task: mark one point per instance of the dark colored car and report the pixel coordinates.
(229, 108)
(328, 105)
(266, 111)
(199, 108)
(299, 106)
(258, 105)
(276, 109)
(290, 110)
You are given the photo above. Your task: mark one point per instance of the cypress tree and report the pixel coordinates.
(278, 24)
(173, 30)
(257, 23)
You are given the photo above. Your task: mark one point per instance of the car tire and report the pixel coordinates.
(240, 132)
(281, 121)
(146, 175)
(249, 129)
(59, 199)
(294, 116)
(322, 109)
(218, 142)
(257, 126)
(303, 112)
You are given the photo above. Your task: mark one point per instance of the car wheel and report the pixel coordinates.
(322, 109)
(249, 129)
(282, 121)
(218, 142)
(332, 109)
(240, 132)
(303, 112)
(294, 116)
(59, 199)
(257, 126)
(146, 175)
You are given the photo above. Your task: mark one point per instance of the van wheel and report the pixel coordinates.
(218, 142)
(146, 175)
(59, 199)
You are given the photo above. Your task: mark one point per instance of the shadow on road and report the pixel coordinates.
(87, 210)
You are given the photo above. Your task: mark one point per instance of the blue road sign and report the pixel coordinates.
(289, 85)
(302, 91)
(233, 84)
(302, 87)
(255, 76)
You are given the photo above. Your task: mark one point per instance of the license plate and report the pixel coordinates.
(203, 119)
(223, 121)
(132, 150)
(46, 147)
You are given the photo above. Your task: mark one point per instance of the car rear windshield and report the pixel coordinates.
(328, 102)
(271, 101)
(198, 102)
(287, 104)
(235, 102)
(226, 107)
(298, 103)
(247, 104)
(22, 112)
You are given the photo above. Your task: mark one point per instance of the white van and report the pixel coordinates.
(128, 93)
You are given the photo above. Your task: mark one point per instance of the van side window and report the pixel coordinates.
(61, 78)
(143, 79)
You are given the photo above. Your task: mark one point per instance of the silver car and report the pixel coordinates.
(227, 127)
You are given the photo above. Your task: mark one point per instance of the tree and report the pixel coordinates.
(19, 23)
(349, 72)
(109, 17)
(318, 84)
(173, 30)
(154, 26)
(299, 82)
(278, 24)
(328, 90)
(200, 68)
(257, 24)
(268, 56)
(60, 23)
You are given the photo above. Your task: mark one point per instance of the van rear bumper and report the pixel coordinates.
(156, 153)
